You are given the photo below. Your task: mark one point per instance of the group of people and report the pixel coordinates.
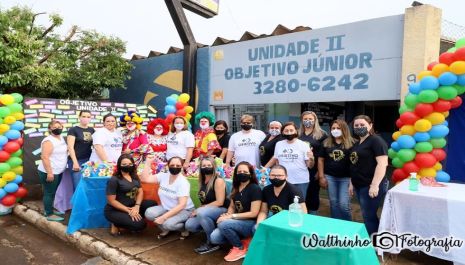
(301, 160)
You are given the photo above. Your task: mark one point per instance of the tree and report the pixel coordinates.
(36, 61)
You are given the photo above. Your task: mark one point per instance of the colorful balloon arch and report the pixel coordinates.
(419, 142)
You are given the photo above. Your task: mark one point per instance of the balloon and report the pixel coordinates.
(410, 167)
(455, 102)
(447, 92)
(395, 146)
(423, 74)
(423, 147)
(460, 54)
(439, 68)
(20, 193)
(4, 111)
(421, 136)
(180, 105)
(4, 167)
(188, 116)
(4, 128)
(425, 160)
(11, 187)
(438, 166)
(170, 117)
(18, 179)
(439, 131)
(442, 176)
(391, 153)
(429, 82)
(189, 109)
(397, 163)
(409, 118)
(398, 175)
(399, 123)
(408, 129)
(2, 193)
(438, 142)
(406, 142)
(184, 97)
(427, 172)
(2, 183)
(460, 43)
(11, 147)
(446, 58)
(13, 134)
(15, 161)
(406, 155)
(446, 114)
(428, 96)
(4, 156)
(439, 154)
(175, 96)
(3, 140)
(8, 200)
(18, 125)
(396, 135)
(7, 99)
(422, 125)
(170, 109)
(441, 105)
(423, 109)
(18, 170)
(411, 100)
(9, 120)
(458, 68)
(170, 101)
(460, 88)
(15, 107)
(431, 65)
(17, 97)
(414, 88)
(181, 113)
(447, 79)
(18, 116)
(436, 118)
(18, 141)
(9, 176)
(403, 108)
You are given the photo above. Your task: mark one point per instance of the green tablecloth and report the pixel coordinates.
(275, 242)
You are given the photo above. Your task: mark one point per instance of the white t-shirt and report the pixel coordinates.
(58, 157)
(169, 193)
(246, 146)
(112, 143)
(177, 144)
(293, 157)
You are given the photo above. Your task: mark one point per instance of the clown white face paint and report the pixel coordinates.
(204, 124)
(131, 126)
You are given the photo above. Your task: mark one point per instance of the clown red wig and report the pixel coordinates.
(155, 122)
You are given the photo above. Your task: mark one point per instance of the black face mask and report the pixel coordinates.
(277, 182)
(174, 170)
(290, 137)
(206, 170)
(219, 132)
(57, 131)
(242, 177)
(246, 127)
(126, 169)
(361, 131)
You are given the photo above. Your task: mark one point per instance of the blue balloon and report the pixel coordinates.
(442, 176)
(445, 123)
(3, 140)
(18, 179)
(406, 142)
(170, 109)
(421, 136)
(395, 146)
(171, 101)
(439, 131)
(414, 88)
(447, 79)
(2, 193)
(18, 125)
(12, 134)
(11, 187)
(175, 96)
(461, 80)
(429, 82)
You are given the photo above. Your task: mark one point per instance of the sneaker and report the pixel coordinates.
(201, 248)
(246, 242)
(184, 234)
(209, 248)
(235, 254)
(55, 218)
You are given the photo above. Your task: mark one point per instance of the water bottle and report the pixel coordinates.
(413, 182)
(296, 217)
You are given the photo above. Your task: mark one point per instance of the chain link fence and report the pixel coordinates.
(451, 31)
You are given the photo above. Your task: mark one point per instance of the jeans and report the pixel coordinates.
(205, 220)
(49, 189)
(369, 206)
(232, 230)
(339, 199)
(303, 188)
(75, 175)
(174, 223)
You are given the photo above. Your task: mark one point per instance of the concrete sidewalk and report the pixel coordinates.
(145, 248)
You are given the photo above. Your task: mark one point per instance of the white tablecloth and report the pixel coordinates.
(431, 212)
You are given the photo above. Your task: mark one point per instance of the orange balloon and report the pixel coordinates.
(439, 69)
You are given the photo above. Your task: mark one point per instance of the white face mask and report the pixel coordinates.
(274, 132)
(179, 126)
(158, 131)
(204, 126)
(336, 133)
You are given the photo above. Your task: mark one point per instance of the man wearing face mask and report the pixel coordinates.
(268, 144)
(244, 145)
(205, 138)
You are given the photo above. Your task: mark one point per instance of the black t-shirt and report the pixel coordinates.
(285, 198)
(223, 141)
(337, 160)
(363, 159)
(267, 148)
(210, 196)
(243, 200)
(83, 141)
(316, 146)
(125, 191)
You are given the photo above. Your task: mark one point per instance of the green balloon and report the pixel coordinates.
(15, 107)
(4, 111)
(460, 89)
(438, 142)
(397, 163)
(4, 167)
(428, 96)
(460, 43)
(17, 153)
(447, 92)
(423, 147)
(391, 153)
(411, 100)
(406, 155)
(18, 97)
(453, 49)
(404, 108)
(14, 161)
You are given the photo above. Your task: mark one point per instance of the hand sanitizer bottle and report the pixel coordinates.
(413, 182)
(296, 217)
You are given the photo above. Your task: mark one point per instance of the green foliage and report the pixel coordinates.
(36, 61)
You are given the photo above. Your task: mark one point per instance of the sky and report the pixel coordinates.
(146, 25)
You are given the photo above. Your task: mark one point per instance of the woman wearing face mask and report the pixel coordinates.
(237, 223)
(180, 141)
(333, 169)
(79, 142)
(278, 195)
(157, 129)
(176, 204)
(205, 138)
(125, 208)
(54, 153)
(221, 131)
(311, 133)
(134, 138)
(244, 145)
(295, 155)
(107, 141)
(369, 160)
(212, 196)
(268, 144)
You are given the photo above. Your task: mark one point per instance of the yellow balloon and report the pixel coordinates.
(423, 125)
(188, 117)
(423, 74)
(184, 98)
(9, 120)
(2, 183)
(439, 68)
(458, 67)
(4, 128)
(7, 99)
(396, 135)
(446, 114)
(436, 118)
(18, 116)
(438, 166)
(408, 129)
(9, 176)
(189, 109)
(18, 170)
(427, 172)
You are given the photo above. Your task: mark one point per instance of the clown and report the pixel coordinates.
(157, 129)
(134, 139)
(205, 138)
